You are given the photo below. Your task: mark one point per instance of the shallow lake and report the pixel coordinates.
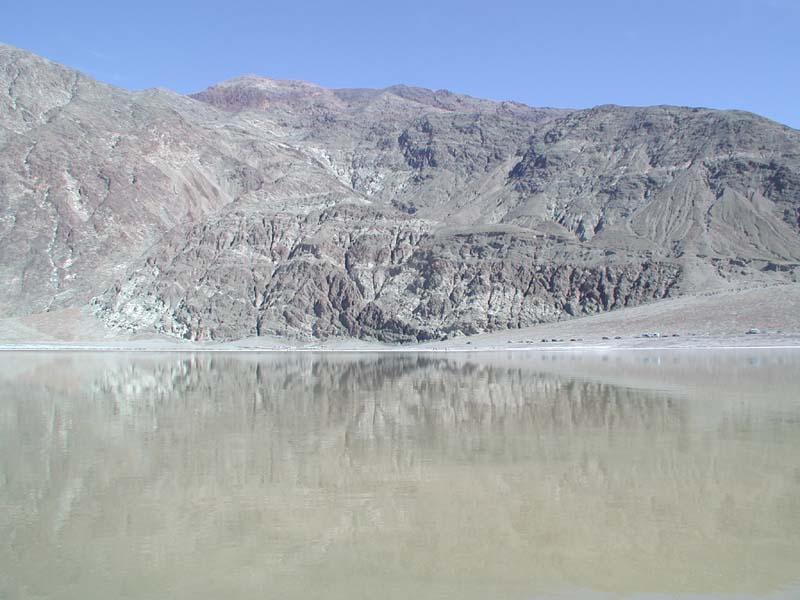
(511, 475)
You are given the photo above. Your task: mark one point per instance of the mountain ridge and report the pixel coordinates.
(399, 215)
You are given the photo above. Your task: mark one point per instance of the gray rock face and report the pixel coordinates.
(687, 181)
(91, 176)
(272, 207)
(355, 271)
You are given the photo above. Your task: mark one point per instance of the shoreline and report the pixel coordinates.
(751, 318)
(711, 344)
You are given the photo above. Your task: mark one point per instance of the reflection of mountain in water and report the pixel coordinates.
(376, 397)
(409, 466)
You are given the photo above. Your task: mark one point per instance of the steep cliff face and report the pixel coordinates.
(271, 207)
(360, 272)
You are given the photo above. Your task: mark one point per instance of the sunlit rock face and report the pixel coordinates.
(641, 473)
(267, 207)
(358, 272)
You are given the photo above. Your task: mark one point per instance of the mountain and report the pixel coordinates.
(262, 206)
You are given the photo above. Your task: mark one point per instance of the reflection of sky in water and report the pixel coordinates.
(400, 475)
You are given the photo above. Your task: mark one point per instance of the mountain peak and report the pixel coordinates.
(258, 92)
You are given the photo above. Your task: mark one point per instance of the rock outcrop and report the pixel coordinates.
(356, 272)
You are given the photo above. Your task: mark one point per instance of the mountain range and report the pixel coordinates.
(269, 207)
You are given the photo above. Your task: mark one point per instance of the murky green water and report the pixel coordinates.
(645, 475)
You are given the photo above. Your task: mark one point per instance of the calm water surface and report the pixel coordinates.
(641, 475)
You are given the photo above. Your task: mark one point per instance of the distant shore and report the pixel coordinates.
(767, 318)
(459, 345)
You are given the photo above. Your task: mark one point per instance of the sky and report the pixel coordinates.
(742, 54)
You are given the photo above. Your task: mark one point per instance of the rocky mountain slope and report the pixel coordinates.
(261, 206)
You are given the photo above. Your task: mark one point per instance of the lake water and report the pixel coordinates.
(522, 475)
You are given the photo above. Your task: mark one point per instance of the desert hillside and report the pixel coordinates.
(263, 207)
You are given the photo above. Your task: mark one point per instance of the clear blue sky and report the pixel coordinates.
(576, 53)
